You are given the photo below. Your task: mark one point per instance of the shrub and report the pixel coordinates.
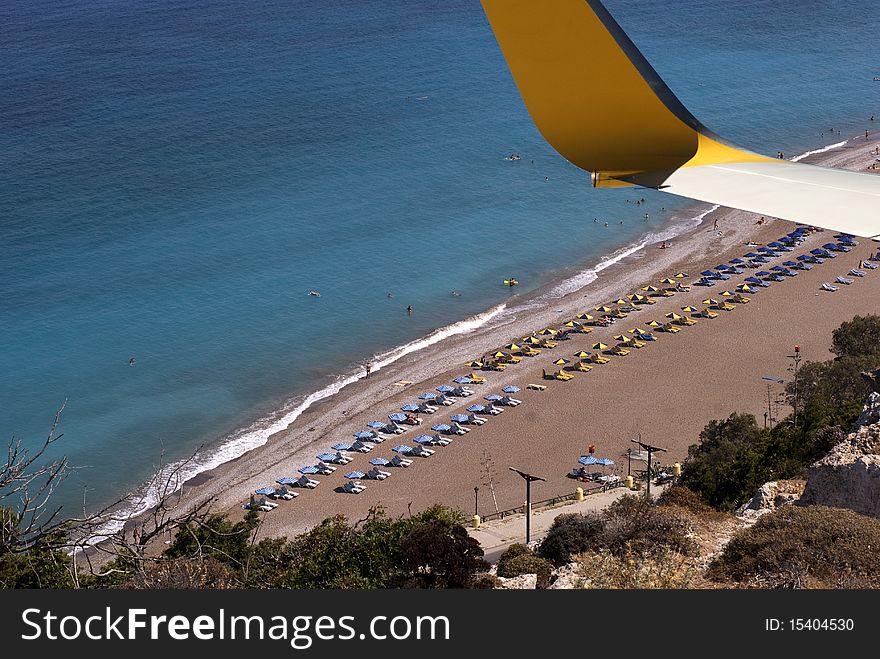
(679, 496)
(571, 533)
(663, 569)
(633, 524)
(810, 546)
(527, 564)
(485, 581)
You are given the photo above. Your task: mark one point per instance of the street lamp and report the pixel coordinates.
(650, 450)
(476, 494)
(797, 360)
(528, 478)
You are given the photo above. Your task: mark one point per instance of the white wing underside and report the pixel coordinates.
(836, 199)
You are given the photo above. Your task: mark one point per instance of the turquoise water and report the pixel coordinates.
(176, 176)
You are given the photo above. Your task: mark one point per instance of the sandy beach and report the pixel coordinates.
(666, 392)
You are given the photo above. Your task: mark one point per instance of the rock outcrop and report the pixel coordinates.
(849, 476)
(771, 496)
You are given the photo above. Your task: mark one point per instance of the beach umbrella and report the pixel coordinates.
(547, 332)
(726, 293)
(513, 346)
(668, 280)
(572, 323)
(475, 364)
(791, 264)
(710, 300)
(380, 462)
(428, 395)
(424, 439)
(463, 379)
(754, 280)
(585, 316)
(600, 346)
(622, 338)
(410, 407)
(737, 261)
(493, 397)
(265, 490)
(365, 434)
(308, 470)
(510, 389)
(378, 425)
(287, 480)
(445, 388)
(680, 275)
(653, 323)
(651, 289)
(562, 361)
(763, 273)
(604, 461)
(497, 355)
(355, 474)
(689, 309)
(477, 408)
(402, 448)
(532, 339)
(460, 418)
(751, 255)
(397, 416)
(745, 288)
(724, 266)
(587, 460)
(341, 446)
(673, 316)
(604, 309)
(582, 354)
(442, 427)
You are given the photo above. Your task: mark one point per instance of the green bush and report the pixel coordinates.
(570, 533)
(804, 547)
(679, 496)
(527, 564)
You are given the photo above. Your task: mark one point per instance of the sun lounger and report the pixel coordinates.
(596, 358)
(868, 265)
(843, 280)
(282, 493)
(620, 351)
(338, 457)
(477, 379)
(422, 452)
(669, 327)
(376, 474)
(305, 481)
(362, 447)
(459, 429)
(398, 461)
(354, 487)
(536, 387)
(562, 375)
(581, 367)
(828, 287)
(461, 392)
(741, 299)
(259, 504)
(856, 273)
(324, 469)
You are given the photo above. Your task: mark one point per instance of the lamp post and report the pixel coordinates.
(528, 478)
(650, 450)
(629, 461)
(796, 357)
(476, 494)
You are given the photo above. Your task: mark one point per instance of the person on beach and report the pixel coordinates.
(715, 224)
(408, 310)
(368, 368)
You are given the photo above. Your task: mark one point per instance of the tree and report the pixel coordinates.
(859, 337)
(570, 533)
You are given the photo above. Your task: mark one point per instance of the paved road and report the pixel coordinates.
(498, 535)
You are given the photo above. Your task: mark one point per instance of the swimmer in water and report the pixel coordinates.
(409, 310)
(131, 361)
(314, 294)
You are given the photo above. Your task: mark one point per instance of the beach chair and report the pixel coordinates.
(398, 461)
(670, 328)
(283, 493)
(536, 387)
(422, 451)
(828, 287)
(636, 343)
(362, 447)
(843, 280)
(581, 367)
(376, 474)
(462, 392)
(324, 469)
(306, 482)
(724, 306)
(458, 429)
(494, 366)
(739, 298)
(354, 487)
(476, 420)
(619, 350)
(868, 265)
(259, 504)
(856, 273)
(477, 379)
(596, 358)
(507, 400)
(687, 321)
(562, 375)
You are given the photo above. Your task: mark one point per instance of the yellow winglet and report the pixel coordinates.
(599, 103)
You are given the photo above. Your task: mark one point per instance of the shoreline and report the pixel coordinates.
(324, 420)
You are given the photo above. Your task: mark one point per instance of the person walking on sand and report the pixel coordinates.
(368, 368)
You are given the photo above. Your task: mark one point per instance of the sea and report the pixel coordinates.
(177, 176)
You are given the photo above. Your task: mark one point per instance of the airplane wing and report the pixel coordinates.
(599, 103)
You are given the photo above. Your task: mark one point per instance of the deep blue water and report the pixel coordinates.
(175, 176)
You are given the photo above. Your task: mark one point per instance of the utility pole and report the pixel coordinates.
(528, 478)
(650, 450)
